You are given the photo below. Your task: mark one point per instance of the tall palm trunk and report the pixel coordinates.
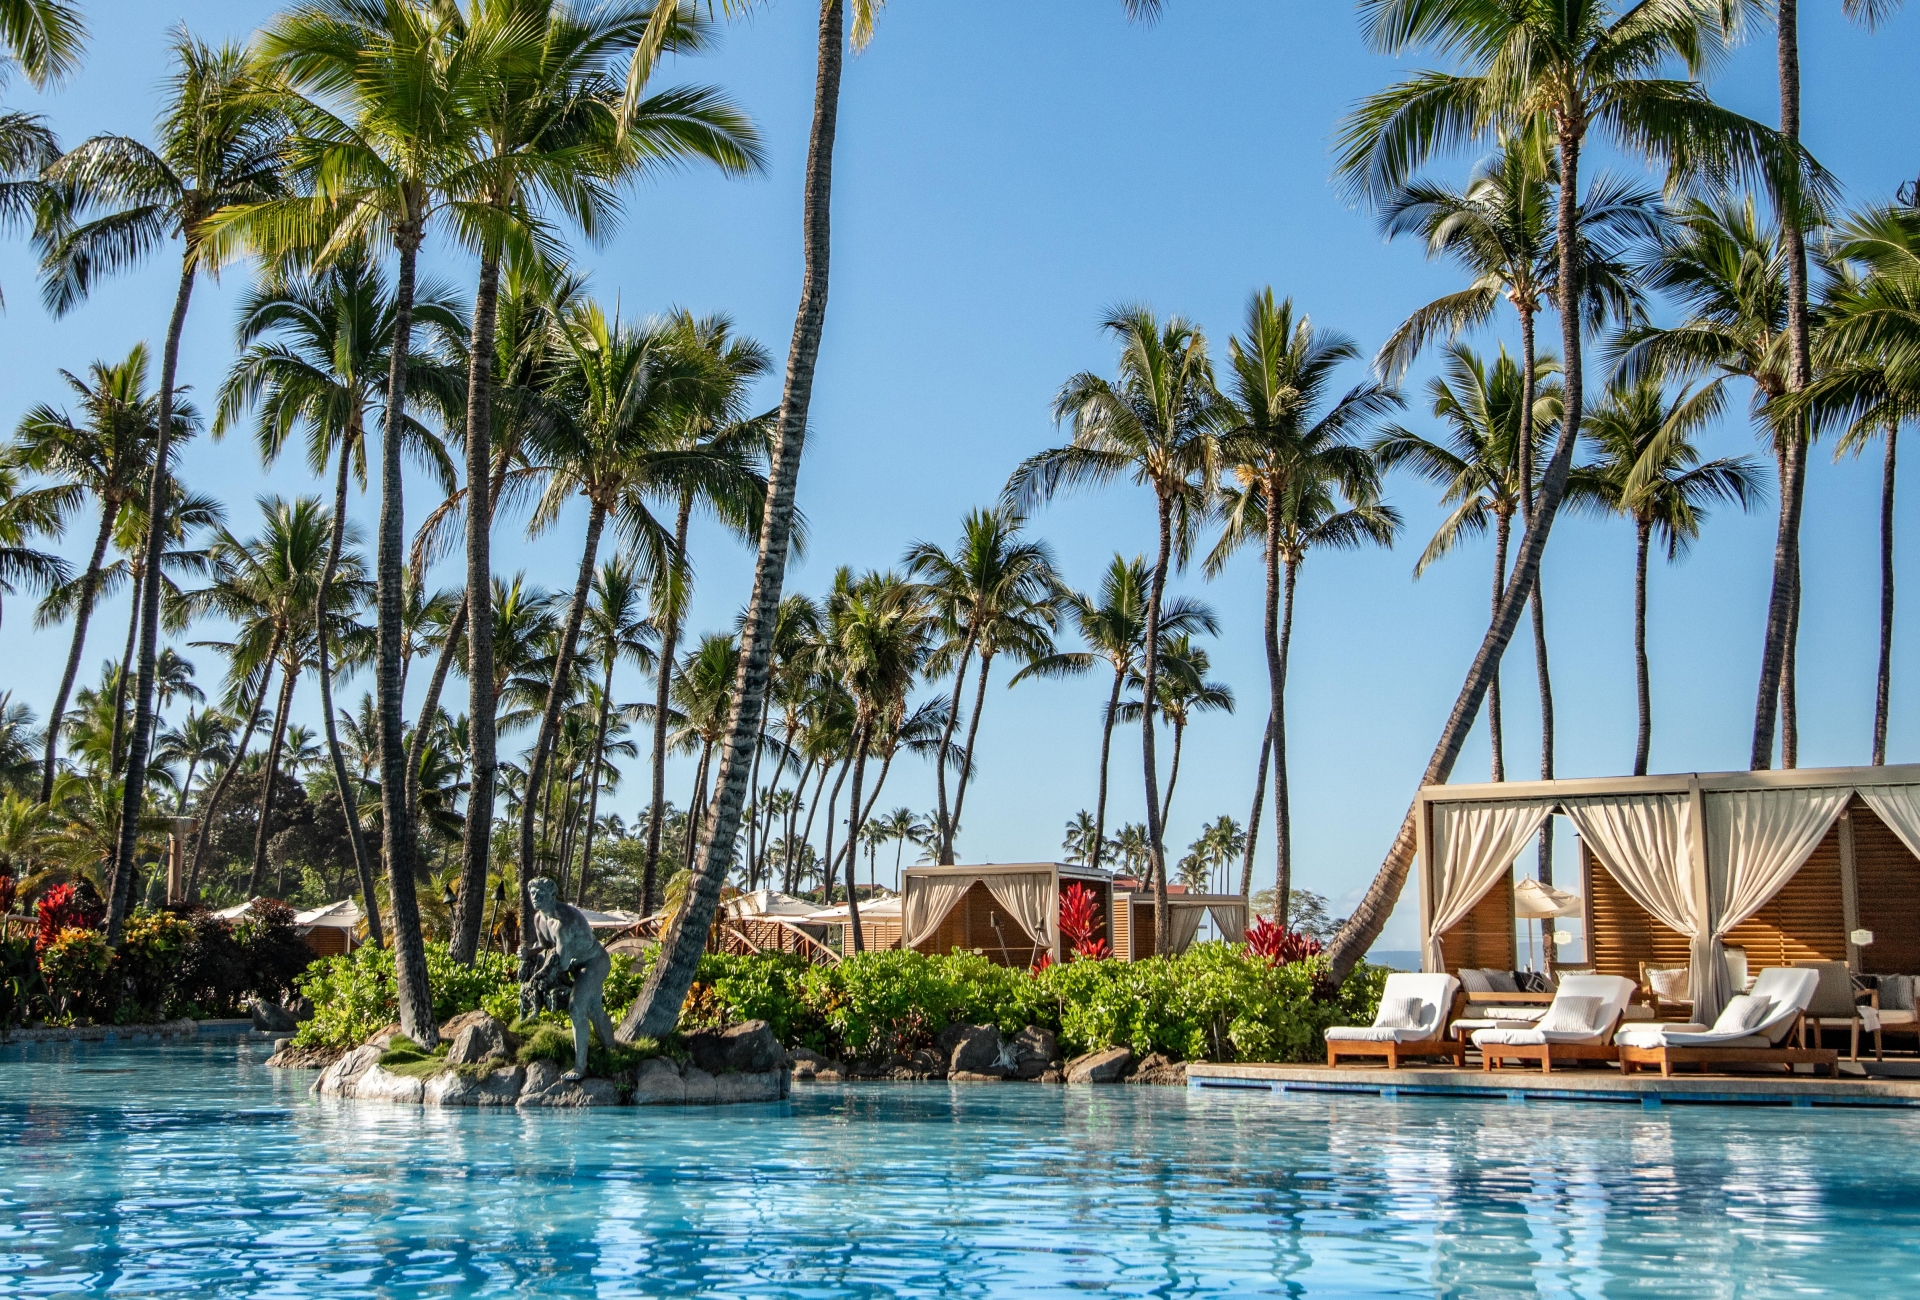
(1149, 680)
(115, 754)
(482, 703)
(1503, 536)
(1363, 927)
(593, 781)
(966, 761)
(1282, 797)
(289, 677)
(696, 806)
(1884, 682)
(663, 691)
(1790, 655)
(397, 828)
(134, 792)
(82, 614)
(1781, 614)
(430, 705)
(1253, 816)
(1173, 771)
(657, 1008)
(1643, 532)
(342, 781)
(1528, 392)
(556, 704)
(1106, 750)
(761, 866)
(829, 861)
(854, 819)
(943, 826)
(210, 808)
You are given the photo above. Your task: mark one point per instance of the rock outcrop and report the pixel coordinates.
(1159, 1069)
(1108, 1065)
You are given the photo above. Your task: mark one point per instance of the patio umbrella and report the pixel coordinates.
(1533, 901)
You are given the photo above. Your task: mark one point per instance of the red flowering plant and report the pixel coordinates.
(1279, 945)
(67, 907)
(1079, 918)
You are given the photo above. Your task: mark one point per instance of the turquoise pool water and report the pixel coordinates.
(197, 1171)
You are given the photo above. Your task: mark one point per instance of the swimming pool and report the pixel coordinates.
(194, 1169)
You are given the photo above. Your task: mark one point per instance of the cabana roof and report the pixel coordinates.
(343, 915)
(1694, 854)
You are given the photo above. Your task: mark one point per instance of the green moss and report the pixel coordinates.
(410, 1060)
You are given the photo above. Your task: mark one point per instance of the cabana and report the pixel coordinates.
(330, 930)
(1006, 912)
(1133, 936)
(879, 923)
(1768, 868)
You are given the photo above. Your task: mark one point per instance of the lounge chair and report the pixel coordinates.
(1892, 1012)
(1577, 1027)
(1668, 987)
(1411, 1021)
(1779, 999)
(1835, 1005)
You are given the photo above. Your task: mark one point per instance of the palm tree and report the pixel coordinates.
(1481, 466)
(1500, 230)
(201, 736)
(1555, 72)
(400, 148)
(42, 38)
(26, 515)
(1079, 844)
(557, 131)
(880, 628)
(1115, 627)
(1648, 469)
(1869, 377)
(1728, 272)
(993, 593)
(712, 430)
(1797, 212)
(898, 826)
(220, 145)
(1181, 690)
(615, 632)
(1294, 457)
(316, 348)
(1160, 425)
(106, 458)
(269, 586)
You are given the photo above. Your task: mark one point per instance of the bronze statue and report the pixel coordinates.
(571, 967)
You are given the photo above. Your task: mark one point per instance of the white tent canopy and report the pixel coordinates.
(769, 902)
(343, 915)
(1700, 852)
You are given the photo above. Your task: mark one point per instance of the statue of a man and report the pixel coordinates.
(567, 952)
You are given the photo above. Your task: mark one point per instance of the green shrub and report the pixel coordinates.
(355, 996)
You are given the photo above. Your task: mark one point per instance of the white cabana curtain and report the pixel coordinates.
(1756, 840)
(1028, 898)
(1899, 807)
(927, 902)
(1182, 924)
(1644, 842)
(1474, 845)
(1232, 922)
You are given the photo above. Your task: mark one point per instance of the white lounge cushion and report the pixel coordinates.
(1485, 1038)
(1404, 1013)
(1787, 990)
(1587, 1004)
(1742, 1012)
(1376, 1034)
(1520, 1015)
(1573, 1015)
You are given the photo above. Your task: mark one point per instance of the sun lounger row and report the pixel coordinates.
(1584, 1023)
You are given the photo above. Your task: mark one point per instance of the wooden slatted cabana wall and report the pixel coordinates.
(1484, 938)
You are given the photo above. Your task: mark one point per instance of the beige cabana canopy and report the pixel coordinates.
(1699, 853)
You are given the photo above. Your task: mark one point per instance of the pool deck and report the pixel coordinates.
(1593, 1084)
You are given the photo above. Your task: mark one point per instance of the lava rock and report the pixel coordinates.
(749, 1048)
(657, 1082)
(568, 1094)
(1106, 1066)
(970, 1076)
(380, 1085)
(698, 1086)
(1034, 1049)
(478, 1040)
(541, 1075)
(337, 1080)
(1158, 1069)
(272, 1018)
(290, 1057)
(975, 1050)
(500, 1087)
(808, 1066)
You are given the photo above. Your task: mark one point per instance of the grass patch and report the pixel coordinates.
(408, 1059)
(549, 1037)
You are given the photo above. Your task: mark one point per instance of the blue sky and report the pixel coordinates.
(997, 185)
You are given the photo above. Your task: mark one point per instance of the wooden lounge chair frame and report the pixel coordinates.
(1547, 1054)
(1438, 1045)
(1633, 1058)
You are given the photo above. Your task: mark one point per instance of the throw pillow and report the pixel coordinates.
(1573, 1015)
(1533, 981)
(1501, 981)
(1896, 992)
(1743, 1012)
(1670, 983)
(1474, 981)
(1403, 1013)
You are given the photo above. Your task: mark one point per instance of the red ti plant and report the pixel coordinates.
(65, 907)
(9, 890)
(1280, 946)
(1079, 918)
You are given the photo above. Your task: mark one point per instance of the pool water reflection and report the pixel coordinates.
(202, 1172)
